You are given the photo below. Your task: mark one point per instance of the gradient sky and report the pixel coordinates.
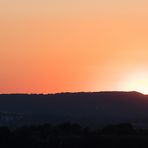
(49, 46)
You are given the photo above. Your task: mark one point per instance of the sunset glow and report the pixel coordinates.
(136, 82)
(58, 46)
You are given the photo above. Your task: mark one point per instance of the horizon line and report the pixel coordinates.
(75, 92)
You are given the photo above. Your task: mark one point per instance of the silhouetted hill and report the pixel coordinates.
(97, 108)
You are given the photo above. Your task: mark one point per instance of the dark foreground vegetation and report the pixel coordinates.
(69, 135)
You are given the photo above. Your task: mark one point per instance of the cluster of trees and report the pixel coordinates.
(70, 135)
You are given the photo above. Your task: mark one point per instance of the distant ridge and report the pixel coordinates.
(84, 107)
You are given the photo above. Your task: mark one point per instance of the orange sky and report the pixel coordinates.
(60, 46)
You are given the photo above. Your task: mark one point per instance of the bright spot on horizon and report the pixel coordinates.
(136, 82)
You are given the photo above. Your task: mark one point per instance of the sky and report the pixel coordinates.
(50, 46)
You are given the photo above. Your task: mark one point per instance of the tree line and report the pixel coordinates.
(71, 135)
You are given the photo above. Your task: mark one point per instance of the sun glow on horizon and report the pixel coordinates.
(136, 82)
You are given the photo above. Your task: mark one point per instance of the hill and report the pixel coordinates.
(94, 108)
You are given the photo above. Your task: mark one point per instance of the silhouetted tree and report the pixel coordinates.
(118, 129)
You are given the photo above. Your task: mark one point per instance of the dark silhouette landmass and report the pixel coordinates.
(89, 109)
(74, 120)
